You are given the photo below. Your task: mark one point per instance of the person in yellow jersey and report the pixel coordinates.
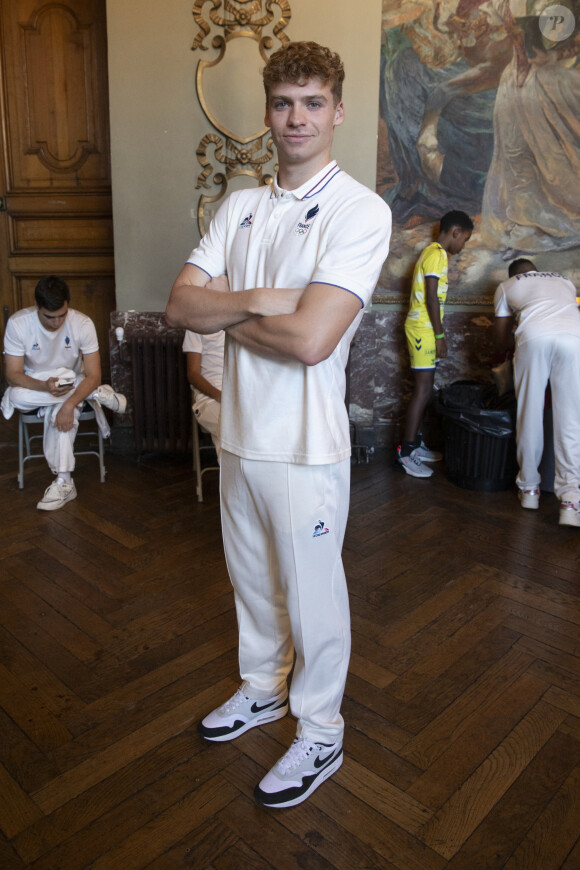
(425, 335)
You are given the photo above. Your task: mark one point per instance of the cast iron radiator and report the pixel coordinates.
(161, 394)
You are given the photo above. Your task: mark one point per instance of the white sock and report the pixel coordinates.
(64, 476)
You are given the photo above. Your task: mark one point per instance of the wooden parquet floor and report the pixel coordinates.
(118, 632)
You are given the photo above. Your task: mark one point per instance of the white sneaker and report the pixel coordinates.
(569, 513)
(412, 464)
(57, 495)
(107, 397)
(423, 453)
(529, 498)
(241, 713)
(298, 773)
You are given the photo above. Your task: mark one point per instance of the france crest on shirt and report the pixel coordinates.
(303, 226)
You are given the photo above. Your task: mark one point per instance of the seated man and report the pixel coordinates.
(205, 363)
(52, 363)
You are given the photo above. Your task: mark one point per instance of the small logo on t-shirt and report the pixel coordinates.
(36, 346)
(67, 345)
(320, 529)
(303, 226)
(247, 222)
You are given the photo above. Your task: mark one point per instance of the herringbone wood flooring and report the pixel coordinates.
(117, 632)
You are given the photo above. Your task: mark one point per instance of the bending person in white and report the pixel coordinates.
(205, 366)
(52, 364)
(543, 307)
(302, 257)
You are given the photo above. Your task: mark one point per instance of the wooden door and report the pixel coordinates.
(55, 181)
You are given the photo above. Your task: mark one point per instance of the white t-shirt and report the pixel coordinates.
(46, 351)
(544, 303)
(331, 230)
(211, 348)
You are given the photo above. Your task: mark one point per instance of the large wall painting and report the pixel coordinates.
(480, 110)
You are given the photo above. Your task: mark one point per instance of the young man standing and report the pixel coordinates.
(425, 335)
(302, 258)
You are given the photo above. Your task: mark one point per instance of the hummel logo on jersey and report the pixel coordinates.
(418, 343)
(320, 529)
(303, 227)
(247, 222)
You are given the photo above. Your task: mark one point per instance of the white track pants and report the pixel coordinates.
(283, 530)
(58, 447)
(554, 358)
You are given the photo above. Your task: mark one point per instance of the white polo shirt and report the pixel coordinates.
(544, 303)
(211, 349)
(331, 230)
(46, 351)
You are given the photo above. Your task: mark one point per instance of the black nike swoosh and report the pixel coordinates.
(255, 709)
(322, 762)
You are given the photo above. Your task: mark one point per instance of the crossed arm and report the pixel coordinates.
(295, 324)
(204, 304)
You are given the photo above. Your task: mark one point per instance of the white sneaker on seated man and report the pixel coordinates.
(53, 365)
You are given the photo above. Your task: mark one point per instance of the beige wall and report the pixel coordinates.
(156, 124)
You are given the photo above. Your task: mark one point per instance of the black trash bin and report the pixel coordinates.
(479, 427)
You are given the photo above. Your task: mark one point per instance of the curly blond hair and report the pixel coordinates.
(297, 62)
